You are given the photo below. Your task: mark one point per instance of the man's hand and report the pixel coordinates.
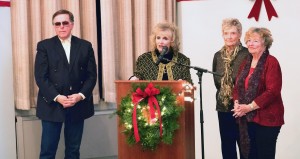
(69, 101)
(64, 101)
(75, 98)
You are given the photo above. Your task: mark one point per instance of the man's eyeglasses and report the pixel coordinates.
(64, 23)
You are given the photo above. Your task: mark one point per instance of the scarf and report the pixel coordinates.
(225, 94)
(165, 71)
(247, 96)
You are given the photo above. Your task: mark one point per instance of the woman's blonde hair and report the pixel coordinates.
(163, 26)
(264, 33)
(230, 22)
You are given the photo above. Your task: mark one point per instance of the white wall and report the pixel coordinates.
(200, 23)
(7, 113)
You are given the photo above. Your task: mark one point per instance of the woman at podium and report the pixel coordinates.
(163, 61)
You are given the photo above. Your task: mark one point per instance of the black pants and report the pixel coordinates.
(263, 141)
(229, 133)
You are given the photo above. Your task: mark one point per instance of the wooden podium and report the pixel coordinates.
(183, 146)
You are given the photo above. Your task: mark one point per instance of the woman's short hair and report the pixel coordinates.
(264, 33)
(162, 27)
(230, 22)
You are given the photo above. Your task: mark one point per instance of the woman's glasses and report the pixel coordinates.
(64, 23)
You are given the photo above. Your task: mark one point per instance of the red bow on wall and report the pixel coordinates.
(256, 9)
(4, 4)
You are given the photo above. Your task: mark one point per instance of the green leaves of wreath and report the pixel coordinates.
(149, 130)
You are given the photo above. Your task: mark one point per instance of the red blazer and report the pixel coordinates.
(271, 110)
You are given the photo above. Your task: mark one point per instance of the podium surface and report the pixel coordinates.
(183, 146)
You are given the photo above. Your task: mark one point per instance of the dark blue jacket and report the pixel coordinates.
(54, 76)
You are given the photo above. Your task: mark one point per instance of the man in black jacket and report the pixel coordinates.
(65, 72)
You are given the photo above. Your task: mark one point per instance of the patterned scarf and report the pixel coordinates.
(225, 94)
(247, 96)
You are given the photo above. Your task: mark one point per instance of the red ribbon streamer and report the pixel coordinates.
(255, 11)
(4, 4)
(137, 97)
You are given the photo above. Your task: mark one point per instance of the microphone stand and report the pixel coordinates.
(200, 72)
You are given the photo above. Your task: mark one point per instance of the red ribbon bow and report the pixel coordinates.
(137, 97)
(256, 9)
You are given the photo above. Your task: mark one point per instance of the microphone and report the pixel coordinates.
(164, 51)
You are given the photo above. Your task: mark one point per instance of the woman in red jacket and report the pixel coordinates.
(257, 95)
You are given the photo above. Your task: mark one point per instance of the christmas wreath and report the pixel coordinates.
(149, 115)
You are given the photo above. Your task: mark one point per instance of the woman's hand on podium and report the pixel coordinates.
(133, 78)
